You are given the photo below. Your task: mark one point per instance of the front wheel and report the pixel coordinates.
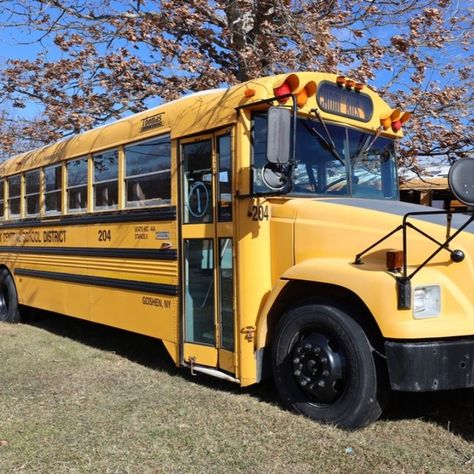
(324, 368)
(9, 311)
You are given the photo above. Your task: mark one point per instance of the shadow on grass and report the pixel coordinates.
(144, 350)
(452, 410)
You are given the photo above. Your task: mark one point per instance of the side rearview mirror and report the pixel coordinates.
(461, 180)
(278, 135)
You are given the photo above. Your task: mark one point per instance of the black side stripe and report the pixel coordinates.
(143, 287)
(148, 254)
(167, 213)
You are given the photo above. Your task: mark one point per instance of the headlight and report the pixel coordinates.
(426, 301)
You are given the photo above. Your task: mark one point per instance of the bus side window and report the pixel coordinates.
(77, 185)
(14, 193)
(53, 189)
(105, 198)
(138, 194)
(105, 180)
(77, 200)
(148, 172)
(32, 189)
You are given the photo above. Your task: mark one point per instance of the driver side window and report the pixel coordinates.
(259, 147)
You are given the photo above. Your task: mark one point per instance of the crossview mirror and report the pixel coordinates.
(278, 135)
(461, 180)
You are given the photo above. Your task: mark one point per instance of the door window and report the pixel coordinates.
(224, 180)
(199, 284)
(197, 182)
(226, 294)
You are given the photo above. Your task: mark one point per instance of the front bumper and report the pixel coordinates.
(431, 365)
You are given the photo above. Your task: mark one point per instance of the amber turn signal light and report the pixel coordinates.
(394, 260)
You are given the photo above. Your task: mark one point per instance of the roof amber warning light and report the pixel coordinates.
(342, 81)
(395, 119)
(290, 85)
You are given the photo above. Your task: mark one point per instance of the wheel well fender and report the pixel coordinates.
(300, 292)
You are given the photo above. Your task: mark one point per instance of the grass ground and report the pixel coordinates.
(82, 398)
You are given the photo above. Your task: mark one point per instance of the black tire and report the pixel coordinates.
(9, 311)
(323, 367)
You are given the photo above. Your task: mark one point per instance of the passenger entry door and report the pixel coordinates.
(207, 251)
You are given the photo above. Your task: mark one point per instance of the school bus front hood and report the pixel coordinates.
(344, 227)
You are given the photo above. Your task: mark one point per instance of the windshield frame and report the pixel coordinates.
(374, 176)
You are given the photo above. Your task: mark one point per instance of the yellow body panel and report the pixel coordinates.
(200, 355)
(146, 313)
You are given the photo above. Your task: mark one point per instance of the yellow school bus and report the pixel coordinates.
(255, 230)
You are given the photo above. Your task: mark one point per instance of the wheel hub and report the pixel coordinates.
(319, 368)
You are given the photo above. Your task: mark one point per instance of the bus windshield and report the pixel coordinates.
(361, 165)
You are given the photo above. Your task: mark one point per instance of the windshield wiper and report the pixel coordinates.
(368, 144)
(329, 142)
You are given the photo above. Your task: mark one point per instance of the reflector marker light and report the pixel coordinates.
(394, 260)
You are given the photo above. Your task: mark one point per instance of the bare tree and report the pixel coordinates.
(101, 60)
